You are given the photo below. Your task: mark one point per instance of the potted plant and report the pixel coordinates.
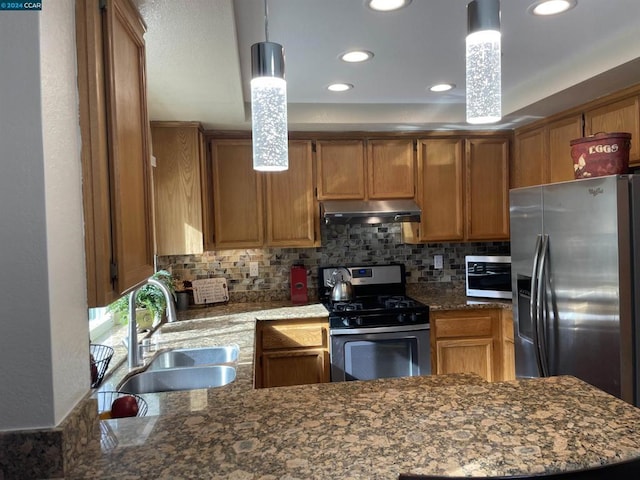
(150, 302)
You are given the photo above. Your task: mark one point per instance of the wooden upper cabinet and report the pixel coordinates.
(390, 167)
(237, 195)
(487, 189)
(528, 166)
(256, 209)
(341, 169)
(117, 191)
(441, 189)
(543, 154)
(345, 172)
(559, 134)
(620, 116)
(463, 190)
(291, 209)
(128, 128)
(177, 147)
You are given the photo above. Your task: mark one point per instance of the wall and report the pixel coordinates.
(44, 343)
(341, 244)
(63, 198)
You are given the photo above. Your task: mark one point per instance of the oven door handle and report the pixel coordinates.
(361, 331)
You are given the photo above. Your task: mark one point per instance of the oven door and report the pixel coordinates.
(380, 352)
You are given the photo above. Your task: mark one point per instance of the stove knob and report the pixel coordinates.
(345, 322)
(414, 317)
(358, 321)
(402, 318)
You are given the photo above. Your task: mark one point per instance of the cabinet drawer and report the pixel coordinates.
(472, 326)
(275, 336)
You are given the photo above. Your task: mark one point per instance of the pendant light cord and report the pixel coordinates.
(266, 21)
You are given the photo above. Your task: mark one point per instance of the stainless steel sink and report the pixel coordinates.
(193, 357)
(188, 378)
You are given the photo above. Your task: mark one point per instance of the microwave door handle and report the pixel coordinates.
(541, 326)
(533, 302)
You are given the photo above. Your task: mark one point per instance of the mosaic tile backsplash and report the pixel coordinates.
(341, 245)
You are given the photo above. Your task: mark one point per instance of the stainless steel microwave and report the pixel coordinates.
(488, 276)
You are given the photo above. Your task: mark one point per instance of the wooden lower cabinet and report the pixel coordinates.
(291, 352)
(465, 355)
(473, 341)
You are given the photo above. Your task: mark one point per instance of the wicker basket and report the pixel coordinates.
(106, 399)
(601, 154)
(100, 357)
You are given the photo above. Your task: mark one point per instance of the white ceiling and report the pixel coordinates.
(198, 61)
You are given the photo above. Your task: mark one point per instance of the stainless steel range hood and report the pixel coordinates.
(370, 211)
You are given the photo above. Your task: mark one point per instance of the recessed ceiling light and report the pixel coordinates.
(386, 5)
(355, 56)
(340, 87)
(442, 87)
(551, 7)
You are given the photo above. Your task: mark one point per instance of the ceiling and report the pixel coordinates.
(198, 61)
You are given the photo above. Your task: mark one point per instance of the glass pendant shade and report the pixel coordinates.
(269, 108)
(483, 51)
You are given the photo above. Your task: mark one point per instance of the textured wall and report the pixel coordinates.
(341, 244)
(44, 341)
(63, 197)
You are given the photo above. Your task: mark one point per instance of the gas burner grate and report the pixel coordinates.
(397, 301)
(347, 306)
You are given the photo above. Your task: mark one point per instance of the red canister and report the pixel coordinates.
(298, 281)
(601, 154)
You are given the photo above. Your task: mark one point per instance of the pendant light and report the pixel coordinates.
(268, 105)
(484, 102)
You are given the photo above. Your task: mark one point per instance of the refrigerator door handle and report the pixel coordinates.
(534, 304)
(540, 326)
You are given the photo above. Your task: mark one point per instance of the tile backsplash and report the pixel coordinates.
(341, 244)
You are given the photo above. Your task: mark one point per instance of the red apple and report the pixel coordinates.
(126, 406)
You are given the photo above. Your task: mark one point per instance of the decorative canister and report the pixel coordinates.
(298, 281)
(601, 154)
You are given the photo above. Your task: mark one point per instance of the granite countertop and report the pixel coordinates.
(451, 298)
(232, 323)
(221, 325)
(450, 424)
(446, 425)
(438, 297)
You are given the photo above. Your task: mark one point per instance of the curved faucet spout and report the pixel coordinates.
(133, 351)
(171, 306)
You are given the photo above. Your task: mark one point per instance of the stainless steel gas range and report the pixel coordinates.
(379, 332)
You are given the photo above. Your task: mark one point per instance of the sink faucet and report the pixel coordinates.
(134, 352)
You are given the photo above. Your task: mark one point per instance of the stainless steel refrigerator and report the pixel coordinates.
(576, 281)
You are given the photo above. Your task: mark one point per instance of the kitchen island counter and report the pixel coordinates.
(451, 425)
